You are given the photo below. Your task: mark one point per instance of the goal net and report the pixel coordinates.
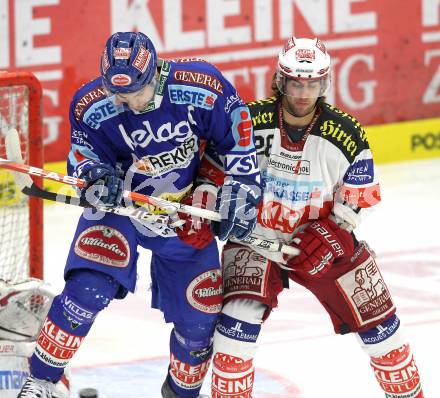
(21, 224)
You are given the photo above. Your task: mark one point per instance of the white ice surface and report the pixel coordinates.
(125, 354)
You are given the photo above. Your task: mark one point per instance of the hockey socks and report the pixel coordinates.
(397, 373)
(235, 345)
(190, 356)
(69, 320)
(392, 360)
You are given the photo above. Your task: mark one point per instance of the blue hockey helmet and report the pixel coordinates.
(128, 63)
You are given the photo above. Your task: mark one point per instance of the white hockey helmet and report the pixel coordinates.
(303, 59)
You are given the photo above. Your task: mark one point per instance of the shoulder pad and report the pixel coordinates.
(342, 130)
(263, 113)
(197, 74)
(269, 100)
(86, 96)
(92, 106)
(186, 60)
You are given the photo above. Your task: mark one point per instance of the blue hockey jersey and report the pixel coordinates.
(159, 150)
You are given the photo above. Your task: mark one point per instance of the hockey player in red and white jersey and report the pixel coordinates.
(319, 182)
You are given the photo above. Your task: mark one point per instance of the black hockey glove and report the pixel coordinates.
(237, 202)
(103, 186)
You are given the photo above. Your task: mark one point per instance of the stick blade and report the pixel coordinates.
(13, 153)
(13, 150)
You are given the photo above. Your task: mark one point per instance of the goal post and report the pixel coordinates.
(21, 217)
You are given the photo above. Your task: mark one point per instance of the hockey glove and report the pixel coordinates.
(197, 231)
(321, 243)
(237, 200)
(103, 186)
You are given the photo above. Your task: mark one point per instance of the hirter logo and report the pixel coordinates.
(103, 245)
(121, 79)
(205, 292)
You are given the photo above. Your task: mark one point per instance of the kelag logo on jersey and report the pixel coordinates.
(197, 96)
(166, 132)
(360, 172)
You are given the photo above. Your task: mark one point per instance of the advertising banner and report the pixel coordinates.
(385, 54)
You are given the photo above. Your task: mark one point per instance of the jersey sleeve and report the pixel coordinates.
(359, 190)
(87, 145)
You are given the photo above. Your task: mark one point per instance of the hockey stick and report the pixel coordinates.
(29, 188)
(170, 207)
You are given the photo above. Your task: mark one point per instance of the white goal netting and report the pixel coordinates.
(14, 206)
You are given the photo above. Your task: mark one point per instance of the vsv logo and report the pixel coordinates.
(241, 164)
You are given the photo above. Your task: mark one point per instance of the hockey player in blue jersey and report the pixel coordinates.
(140, 127)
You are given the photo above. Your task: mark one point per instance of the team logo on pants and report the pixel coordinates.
(245, 272)
(205, 292)
(366, 293)
(104, 245)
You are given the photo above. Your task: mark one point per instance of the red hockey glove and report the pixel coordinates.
(321, 243)
(197, 231)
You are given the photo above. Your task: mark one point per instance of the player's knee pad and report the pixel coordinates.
(86, 293)
(383, 338)
(69, 320)
(195, 339)
(191, 349)
(238, 328)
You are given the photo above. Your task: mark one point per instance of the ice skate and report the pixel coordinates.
(167, 392)
(36, 388)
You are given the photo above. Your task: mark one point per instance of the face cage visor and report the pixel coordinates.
(302, 88)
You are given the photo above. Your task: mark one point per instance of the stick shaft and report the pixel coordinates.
(137, 197)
